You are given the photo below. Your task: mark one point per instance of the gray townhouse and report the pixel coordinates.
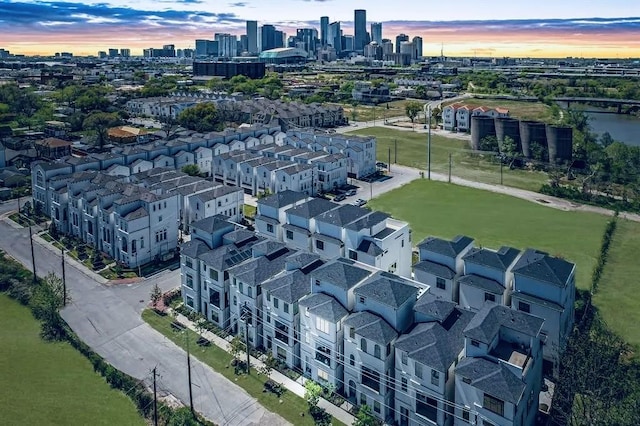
(271, 212)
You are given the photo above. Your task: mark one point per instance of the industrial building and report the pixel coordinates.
(229, 69)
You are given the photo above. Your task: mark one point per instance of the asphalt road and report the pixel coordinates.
(108, 319)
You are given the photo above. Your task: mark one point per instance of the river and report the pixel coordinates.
(622, 127)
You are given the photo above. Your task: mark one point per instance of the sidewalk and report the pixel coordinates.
(295, 386)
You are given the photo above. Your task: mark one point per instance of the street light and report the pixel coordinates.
(427, 108)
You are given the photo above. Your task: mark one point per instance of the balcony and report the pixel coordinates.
(323, 355)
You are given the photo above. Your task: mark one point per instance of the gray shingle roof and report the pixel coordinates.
(540, 266)
(487, 322)
(429, 304)
(324, 306)
(193, 248)
(371, 327)
(492, 378)
(212, 224)
(343, 215)
(282, 199)
(432, 344)
(388, 289)
(226, 257)
(217, 192)
(436, 269)
(136, 214)
(312, 208)
(500, 259)
(445, 247)
(482, 283)
(536, 300)
(370, 248)
(368, 221)
(258, 270)
(304, 261)
(241, 237)
(289, 287)
(341, 273)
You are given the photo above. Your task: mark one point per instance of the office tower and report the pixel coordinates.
(334, 36)
(348, 42)
(399, 39)
(417, 46)
(279, 39)
(387, 47)
(243, 43)
(406, 48)
(227, 45)
(169, 51)
(324, 30)
(101, 54)
(268, 37)
(252, 37)
(376, 32)
(308, 37)
(113, 53)
(125, 53)
(360, 29)
(201, 47)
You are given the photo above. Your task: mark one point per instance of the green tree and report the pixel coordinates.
(312, 393)
(236, 346)
(421, 92)
(489, 143)
(606, 139)
(510, 150)
(191, 170)
(156, 295)
(100, 122)
(412, 109)
(47, 300)
(364, 417)
(182, 417)
(203, 117)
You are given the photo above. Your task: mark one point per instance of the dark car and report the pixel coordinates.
(339, 197)
(351, 192)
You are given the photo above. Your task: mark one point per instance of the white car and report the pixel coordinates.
(360, 202)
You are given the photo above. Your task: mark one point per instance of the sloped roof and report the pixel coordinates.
(388, 289)
(289, 287)
(445, 247)
(482, 283)
(371, 327)
(324, 306)
(430, 305)
(540, 266)
(500, 259)
(282, 199)
(492, 378)
(487, 322)
(436, 269)
(212, 224)
(342, 273)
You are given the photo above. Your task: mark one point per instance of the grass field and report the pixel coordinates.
(618, 296)
(446, 210)
(379, 112)
(220, 361)
(412, 152)
(517, 109)
(51, 383)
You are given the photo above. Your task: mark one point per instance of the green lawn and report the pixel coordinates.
(51, 383)
(517, 109)
(446, 210)
(618, 296)
(220, 361)
(377, 112)
(412, 152)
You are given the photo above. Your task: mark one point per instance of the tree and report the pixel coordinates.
(312, 393)
(191, 170)
(53, 230)
(100, 122)
(489, 143)
(412, 109)
(421, 91)
(510, 150)
(156, 295)
(365, 418)
(236, 346)
(47, 300)
(606, 139)
(203, 117)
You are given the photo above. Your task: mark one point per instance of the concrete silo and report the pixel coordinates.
(510, 127)
(481, 127)
(560, 143)
(530, 132)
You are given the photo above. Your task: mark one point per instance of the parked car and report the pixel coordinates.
(351, 192)
(339, 197)
(381, 165)
(360, 202)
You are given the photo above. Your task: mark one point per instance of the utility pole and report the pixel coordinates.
(64, 280)
(370, 190)
(449, 167)
(246, 336)
(193, 413)
(33, 256)
(501, 171)
(389, 160)
(429, 144)
(155, 399)
(395, 158)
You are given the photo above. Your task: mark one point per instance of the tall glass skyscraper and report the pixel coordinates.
(324, 30)
(252, 37)
(376, 32)
(360, 29)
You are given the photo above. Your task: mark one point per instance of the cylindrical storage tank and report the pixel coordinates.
(481, 127)
(560, 143)
(532, 131)
(510, 127)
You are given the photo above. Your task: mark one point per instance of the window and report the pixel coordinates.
(427, 407)
(435, 378)
(240, 288)
(282, 332)
(213, 274)
(440, 283)
(289, 235)
(320, 245)
(475, 343)
(141, 242)
(281, 353)
(270, 228)
(376, 407)
(489, 297)
(322, 325)
(189, 280)
(524, 307)
(323, 375)
(235, 301)
(352, 360)
(160, 218)
(190, 301)
(268, 297)
(376, 351)
(188, 262)
(465, 414)
(370, 378)
(249, 291)
(363, 344)
(352, 332)
(214, 298)
(268, 318)
(323, 354)
(134, 248)
(353, 255)
(493, 404)
(275, 303)
(363, 399)
(362, 299)
(418, 369)
(285, 306)
(405, 358)
(317, 282)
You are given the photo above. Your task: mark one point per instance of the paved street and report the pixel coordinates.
(108, 319)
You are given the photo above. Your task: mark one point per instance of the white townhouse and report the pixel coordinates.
(440, 264)
(203, 158)
(332, 172)
(266, 174)
(224, 200)
(425, 359)
(183, 158)
(499, 379)
(545, 286)
(140, 165)
(296, 177)
(449, 116)
(487, 277)
(41, 174)
(164, 161)
(301, 222)
(281, 312)
(271, 212)
(490, 112)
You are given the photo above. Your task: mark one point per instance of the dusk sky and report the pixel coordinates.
(542, 28)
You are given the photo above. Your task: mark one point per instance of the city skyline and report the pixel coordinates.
(557, 31)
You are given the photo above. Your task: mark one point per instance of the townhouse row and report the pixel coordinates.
(457, 116)
(134, 218)
(408, 351)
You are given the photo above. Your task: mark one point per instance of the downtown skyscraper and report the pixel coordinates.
(360, 29)
(376, 32)
(324, 30)
(252, 37)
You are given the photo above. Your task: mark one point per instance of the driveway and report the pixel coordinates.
(108, 319)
